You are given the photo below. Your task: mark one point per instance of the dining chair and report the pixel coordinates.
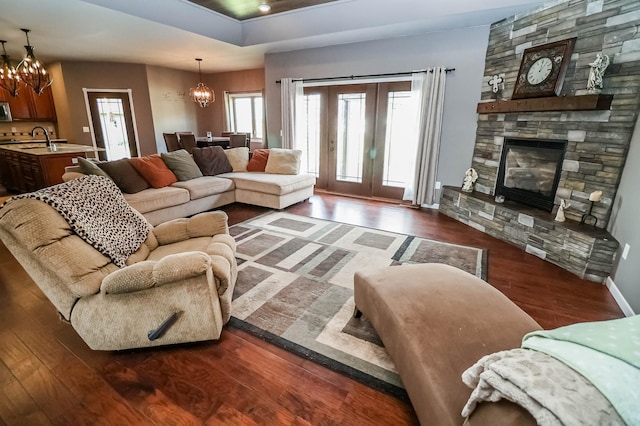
(171, 140)
(237, 140)
(188, 142)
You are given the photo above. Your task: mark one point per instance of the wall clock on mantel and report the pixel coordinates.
(542, 69)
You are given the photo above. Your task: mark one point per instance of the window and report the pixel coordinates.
(245, 113)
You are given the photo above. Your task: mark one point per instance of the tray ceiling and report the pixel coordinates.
(247, 9)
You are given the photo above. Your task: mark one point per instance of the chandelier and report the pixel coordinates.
(201, 94)
(9, 77)
(32, 71)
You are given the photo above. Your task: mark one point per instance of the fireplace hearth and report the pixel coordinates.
(529, 171)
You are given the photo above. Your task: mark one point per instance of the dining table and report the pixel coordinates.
(204, 141)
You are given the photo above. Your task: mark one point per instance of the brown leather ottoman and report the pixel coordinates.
(436, 321)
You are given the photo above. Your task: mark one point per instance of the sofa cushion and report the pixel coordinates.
(89, 167)
(154, 170)
(238, 157)
(212, 160)
(270, 183)
(157, 198)
(284, 161)
(124, 175)
(181, 164)
(205, 186)
(258, 161)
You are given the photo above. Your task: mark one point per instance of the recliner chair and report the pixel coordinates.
(182, 276)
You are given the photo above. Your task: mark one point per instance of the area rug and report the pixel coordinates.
(295, 288)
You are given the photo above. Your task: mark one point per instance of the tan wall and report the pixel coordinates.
(172, 109)
(213, 118)
(72, 112)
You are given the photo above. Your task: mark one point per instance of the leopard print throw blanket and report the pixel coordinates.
(96, 210)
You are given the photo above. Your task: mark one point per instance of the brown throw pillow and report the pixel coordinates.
(258, 161)
(154, 170)
(181, 164)
(124, 175)
(212, 160)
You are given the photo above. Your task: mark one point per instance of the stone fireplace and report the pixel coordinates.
(595, 140)
(529, 171)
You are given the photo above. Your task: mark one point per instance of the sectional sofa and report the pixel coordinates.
(277, 187)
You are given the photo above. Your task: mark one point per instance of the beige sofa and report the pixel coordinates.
(185, 266)
(186, 198)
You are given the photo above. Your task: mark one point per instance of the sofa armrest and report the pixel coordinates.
(149, 273)
(205, 224)
(68, 176)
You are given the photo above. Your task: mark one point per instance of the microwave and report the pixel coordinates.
(5, 111)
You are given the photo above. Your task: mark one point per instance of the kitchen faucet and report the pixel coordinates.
(46, 134)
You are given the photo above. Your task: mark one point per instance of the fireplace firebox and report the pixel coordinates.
(530, 170)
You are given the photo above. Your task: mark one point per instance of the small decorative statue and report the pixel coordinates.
(470, 178)
(560, 214)
(496, 84)
(594, 84)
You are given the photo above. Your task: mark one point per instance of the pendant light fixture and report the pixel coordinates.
(32, 71)
(201, 94)
(9, 77)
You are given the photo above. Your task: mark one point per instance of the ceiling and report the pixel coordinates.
(247, 9)
(172, 33)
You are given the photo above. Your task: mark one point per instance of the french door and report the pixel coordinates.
(360, 138)
(112, 122)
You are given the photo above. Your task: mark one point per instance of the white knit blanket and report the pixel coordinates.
(551, 391)
(96, 210)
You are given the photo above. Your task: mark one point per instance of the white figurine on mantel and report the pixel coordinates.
(560, 214)
(470, 178)
(594, 84)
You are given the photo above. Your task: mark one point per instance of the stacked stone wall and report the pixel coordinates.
(598, 141)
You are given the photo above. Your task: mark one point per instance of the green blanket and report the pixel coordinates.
(606, 352)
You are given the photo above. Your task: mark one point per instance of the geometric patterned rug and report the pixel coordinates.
(295, 288)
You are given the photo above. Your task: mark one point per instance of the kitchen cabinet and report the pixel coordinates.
(28, 106)
(25, 168)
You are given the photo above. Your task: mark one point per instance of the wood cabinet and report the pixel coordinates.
(28, 106)
(25, 172)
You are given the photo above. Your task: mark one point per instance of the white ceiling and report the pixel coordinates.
(172, 33)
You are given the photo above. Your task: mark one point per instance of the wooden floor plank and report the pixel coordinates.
(50, 376)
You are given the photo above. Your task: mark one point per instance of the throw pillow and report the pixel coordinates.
(212, 160)
(154, 170)
(89, 167)
(181, 164)
(124, 175)
(239, 158)
(258, 161)
(284, 161)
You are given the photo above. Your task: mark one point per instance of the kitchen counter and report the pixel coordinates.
(41, 148)
(26, 167)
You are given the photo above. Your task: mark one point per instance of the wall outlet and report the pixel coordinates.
(625, 252)
(85, 129)
(438, 185)
(74, 160)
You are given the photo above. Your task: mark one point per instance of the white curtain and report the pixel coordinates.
(428, 93)
(292, 98)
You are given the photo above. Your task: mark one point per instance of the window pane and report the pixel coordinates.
(399, 140)
(116, 140)
(243, 115)
(257, 117)
(350, 143)
(310, 134)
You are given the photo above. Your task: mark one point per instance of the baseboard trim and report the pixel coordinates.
(619, 298)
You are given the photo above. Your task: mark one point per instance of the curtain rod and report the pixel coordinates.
(352, 77)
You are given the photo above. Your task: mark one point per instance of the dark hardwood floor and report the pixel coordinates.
(49, 376)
